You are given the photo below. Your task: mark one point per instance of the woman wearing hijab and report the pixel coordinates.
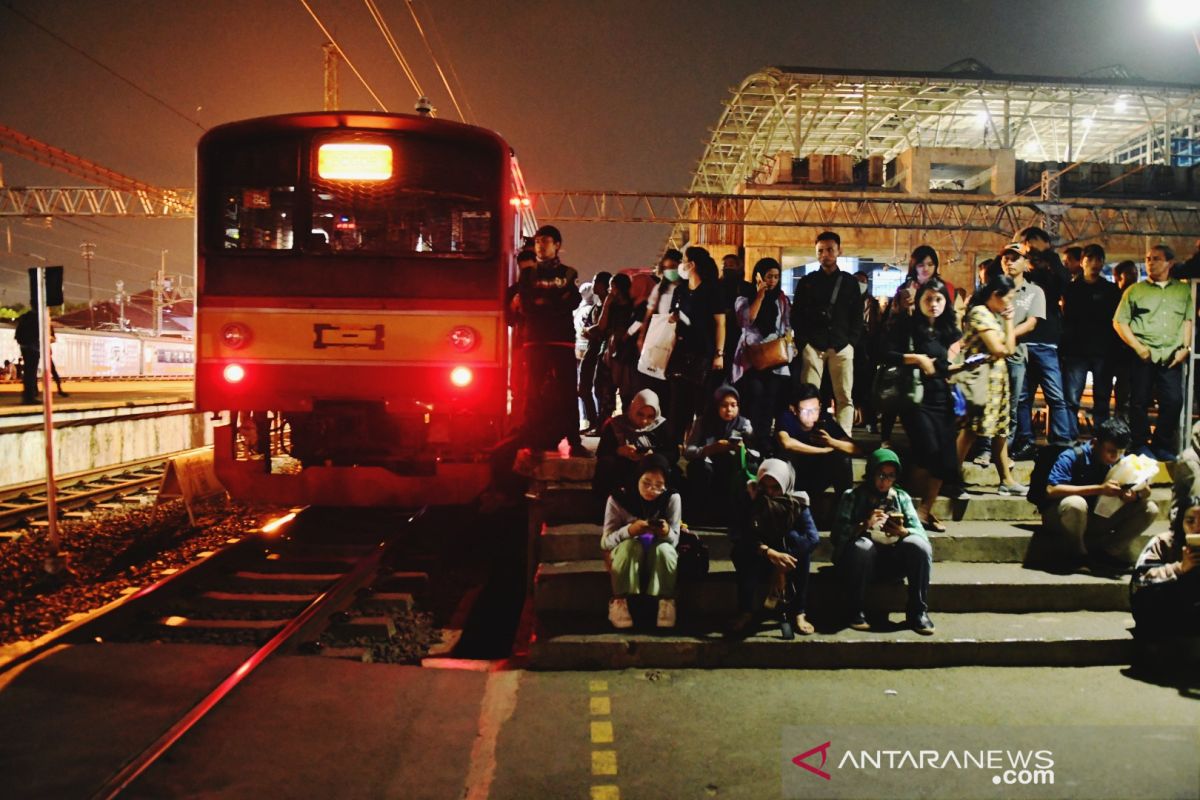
(773, 537)
(1165, 587)
(876, 531)
(714, 451)
(763, 317)
(627, 439)
(641, 529)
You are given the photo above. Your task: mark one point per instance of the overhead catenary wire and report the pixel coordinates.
(381, 23)
(428, 49)
(342, 54)
(450, 63)
(144, 92)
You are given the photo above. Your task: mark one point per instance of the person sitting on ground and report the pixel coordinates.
(1165, 587)
(626, 439)
(1186, 473)
(717, 451)
(814, 443)
(641, 530)
(876, 532)
(1076, 535)
(773, 536)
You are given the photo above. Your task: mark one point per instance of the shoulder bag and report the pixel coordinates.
(898, 387)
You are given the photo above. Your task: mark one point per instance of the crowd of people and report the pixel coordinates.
(739, 404)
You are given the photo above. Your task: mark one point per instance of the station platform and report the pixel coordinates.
(100, 424)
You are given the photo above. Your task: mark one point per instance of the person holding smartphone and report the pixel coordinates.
(1165, 587)
(641, 530)
(876, 531)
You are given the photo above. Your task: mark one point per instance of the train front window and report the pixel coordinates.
(426, 197)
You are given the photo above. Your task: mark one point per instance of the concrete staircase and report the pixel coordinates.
(988, 608)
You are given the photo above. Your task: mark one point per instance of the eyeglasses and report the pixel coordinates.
(888, 476)
(653, 487)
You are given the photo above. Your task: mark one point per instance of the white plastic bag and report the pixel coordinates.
(1134, 471)
(660, 341)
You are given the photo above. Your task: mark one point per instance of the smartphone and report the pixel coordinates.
(1193, 542)
(896, 517)
(978, 358)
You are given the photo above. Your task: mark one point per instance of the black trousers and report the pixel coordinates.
(30, 377)
(551, 411)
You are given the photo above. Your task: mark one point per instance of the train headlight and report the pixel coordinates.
(464, 338)
(234, 373)
(461, 377)
(235, 335)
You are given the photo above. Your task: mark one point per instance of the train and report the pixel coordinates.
(351, 270)
(109, 354)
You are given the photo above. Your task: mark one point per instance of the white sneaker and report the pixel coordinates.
(666, 612)
(618, 613)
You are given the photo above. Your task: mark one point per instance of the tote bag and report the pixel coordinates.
(656, 352)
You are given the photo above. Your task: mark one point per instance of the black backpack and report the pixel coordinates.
(1046, 458)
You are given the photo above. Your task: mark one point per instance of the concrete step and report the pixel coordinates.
(978, 541)
(1077, 638)
(583, 586)
(562, 502)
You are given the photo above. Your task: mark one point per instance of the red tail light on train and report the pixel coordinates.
(234, 373)
(461, 377)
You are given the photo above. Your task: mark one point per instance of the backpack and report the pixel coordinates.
(1046, 458)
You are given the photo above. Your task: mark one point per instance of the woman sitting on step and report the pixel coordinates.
(627, 439)
(1165, 588)
(717, 450)
(641, 529)
(773, 537)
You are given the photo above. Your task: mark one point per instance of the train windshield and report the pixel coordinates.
(367, 194)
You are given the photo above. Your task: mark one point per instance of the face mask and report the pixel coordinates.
(862, 288)
(671, 275)
(685, 270)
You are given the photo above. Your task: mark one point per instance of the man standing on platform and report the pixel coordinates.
(27, 336)
(733, 286)
(827, 317)
(1155, 319)
(547, 294)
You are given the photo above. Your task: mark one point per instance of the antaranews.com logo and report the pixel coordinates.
(927, 762)
(1007, 767)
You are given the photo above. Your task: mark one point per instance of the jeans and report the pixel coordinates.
(753, 570)
(911, 557)
(1075, 371)
(1016, 382)
(1042, 368)
(1148, 380)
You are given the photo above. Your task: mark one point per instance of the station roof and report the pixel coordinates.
(1109, 116)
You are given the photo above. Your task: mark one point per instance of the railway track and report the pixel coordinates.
(23, 503)
(313, 575)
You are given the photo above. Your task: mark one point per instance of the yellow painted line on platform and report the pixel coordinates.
(602, 732)
(604, 762)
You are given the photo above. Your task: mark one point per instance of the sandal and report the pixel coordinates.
(932, 523)
(803, 626)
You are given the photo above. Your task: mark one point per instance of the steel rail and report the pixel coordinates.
(313, 614)
(70, 497)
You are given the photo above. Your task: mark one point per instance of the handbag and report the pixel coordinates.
(973, 382)
(693, 555)
(898, 387)
(770, 354)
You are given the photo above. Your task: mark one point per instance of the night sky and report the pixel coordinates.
(613, 95)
